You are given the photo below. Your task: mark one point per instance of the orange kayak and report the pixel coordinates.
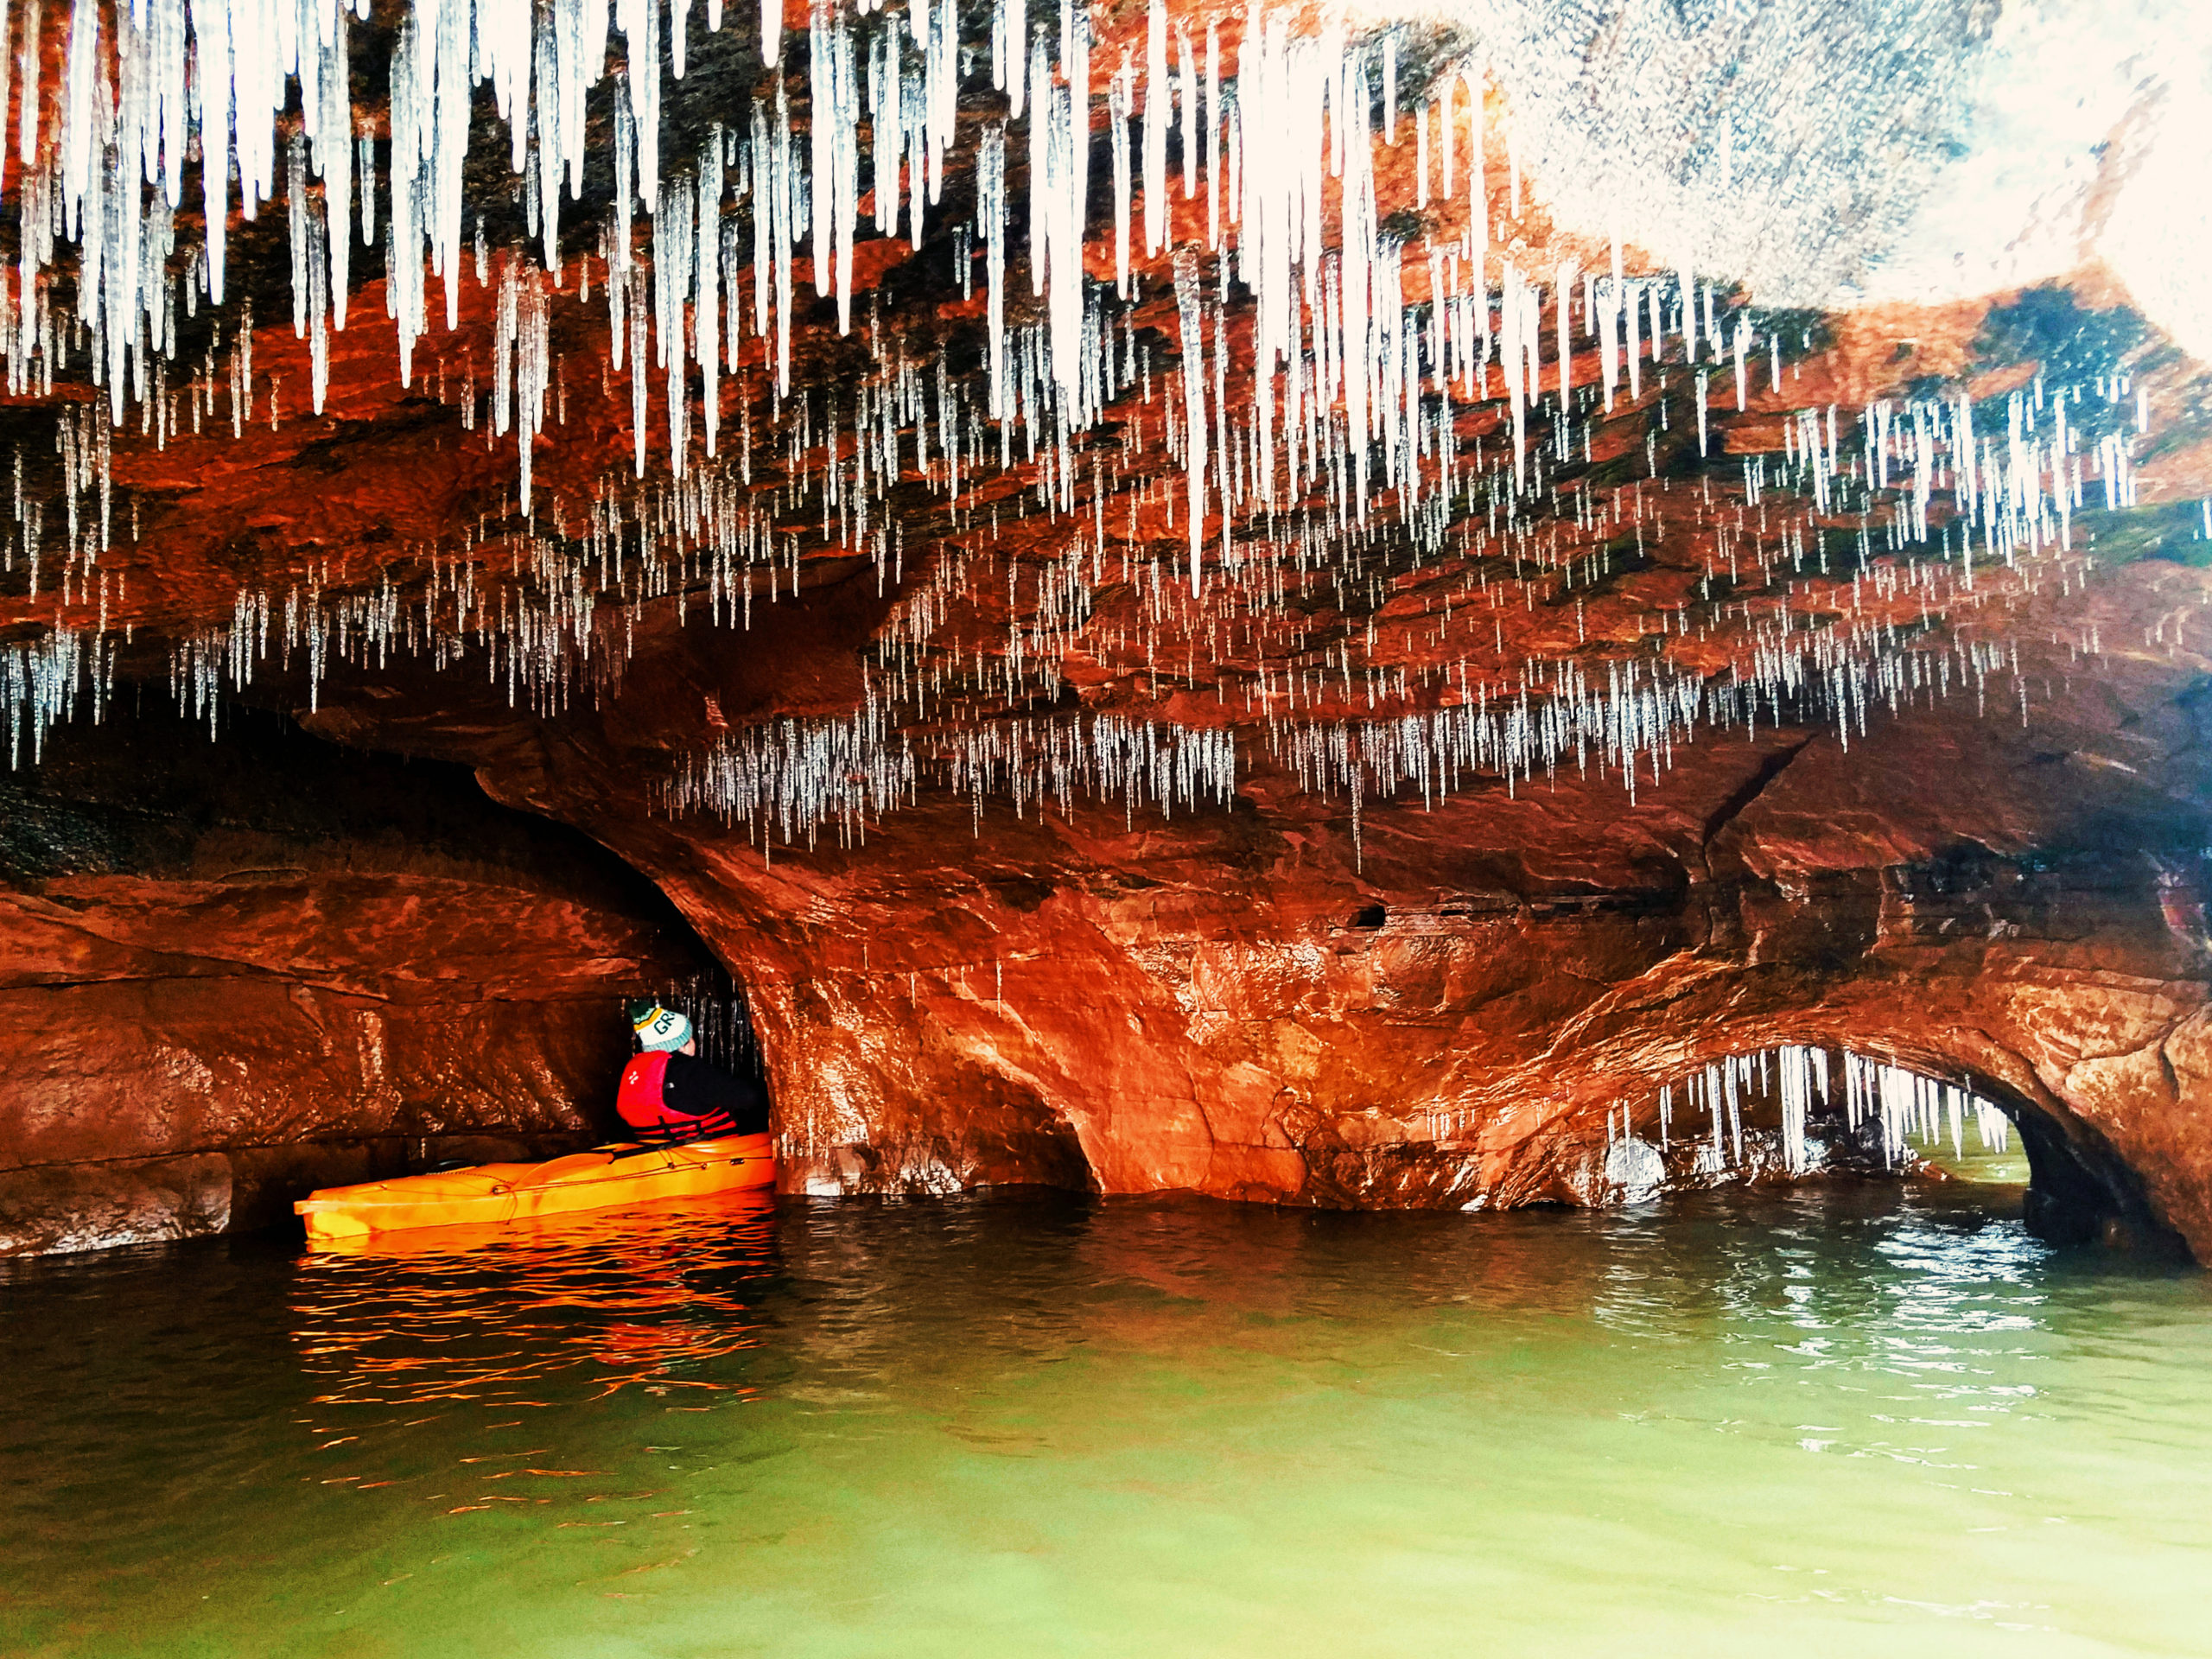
(658, 1228)
(598, 1180)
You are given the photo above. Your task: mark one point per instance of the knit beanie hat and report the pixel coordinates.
(659, 1030)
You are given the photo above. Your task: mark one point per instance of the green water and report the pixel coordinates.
(1852, 1422)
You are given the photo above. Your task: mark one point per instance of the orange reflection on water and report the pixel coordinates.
(611, 1299)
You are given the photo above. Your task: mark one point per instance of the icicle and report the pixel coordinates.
(990, 214)
(1187, 303)
(1117, 123)
(31, 65)
(707, 282)
(1688, 294)
(84, 88)
(1187, 95)
(1390, 90)
(1017, 35)
(1213, 118)
(836, 158)
(1444, 139)
(1156, 97)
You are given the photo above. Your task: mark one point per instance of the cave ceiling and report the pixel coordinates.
(1119, 404)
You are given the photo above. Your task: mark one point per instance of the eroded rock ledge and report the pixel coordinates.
(235, 970)
(1244, 1004)
(229, 971)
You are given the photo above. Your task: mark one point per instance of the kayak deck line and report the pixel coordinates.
(621, 1173)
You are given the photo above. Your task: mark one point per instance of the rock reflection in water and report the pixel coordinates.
(574, 1305)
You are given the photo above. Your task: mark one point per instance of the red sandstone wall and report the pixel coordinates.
(1200, 1004)
(215, 1000)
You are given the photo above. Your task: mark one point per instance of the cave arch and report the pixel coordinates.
(2081, 1189)
(243, 969)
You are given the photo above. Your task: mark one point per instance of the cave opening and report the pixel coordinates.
(336, 963)
(1799, 1111)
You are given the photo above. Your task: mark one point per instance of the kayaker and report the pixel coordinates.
(670, 1093)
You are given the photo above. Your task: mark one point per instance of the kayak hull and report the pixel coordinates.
(629, 1228)
(603, 1179)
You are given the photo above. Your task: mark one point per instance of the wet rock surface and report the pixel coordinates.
(1252, 1004)
(234, 971)
(312, 960)
(314, 970)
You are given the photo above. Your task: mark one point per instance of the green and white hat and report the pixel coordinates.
(659, 1030)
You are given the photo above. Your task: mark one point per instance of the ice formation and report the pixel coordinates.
(1303, 426)
(1705, 1119)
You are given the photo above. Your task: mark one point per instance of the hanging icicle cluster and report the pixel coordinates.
(1705, 1116)
(1907, 1106)
(1237, 488)
(790, 779)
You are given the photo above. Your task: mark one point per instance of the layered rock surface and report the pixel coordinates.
(1249, 1003)
(232, 970)
(1438, 1004)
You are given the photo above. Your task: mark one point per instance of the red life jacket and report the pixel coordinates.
(639, 1099)
(642, 1102)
